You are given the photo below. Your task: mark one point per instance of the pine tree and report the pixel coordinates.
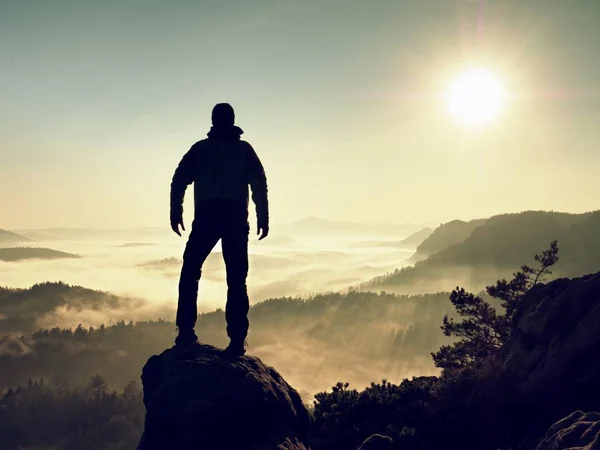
(483, 331)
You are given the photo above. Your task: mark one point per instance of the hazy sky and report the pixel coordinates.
(343, 101)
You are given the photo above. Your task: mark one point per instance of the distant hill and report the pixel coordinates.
(499, 247)
(8, 237)
(136, 244)
(166, 263)
(13, 254)
(416, 239)
(22, 310)
(277, 240)
(147, 234)
(315, 342)
(317, 226)
(32, 236)
(409, 243)
(444, 236)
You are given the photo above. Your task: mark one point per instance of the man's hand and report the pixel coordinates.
(176, 222)
(263, 231)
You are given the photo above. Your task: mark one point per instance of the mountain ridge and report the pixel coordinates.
(9, 237)
(494, 248)
(14, 254)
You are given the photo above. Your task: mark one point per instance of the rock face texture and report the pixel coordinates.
(551, 360)
(577, 431)
(203, 399)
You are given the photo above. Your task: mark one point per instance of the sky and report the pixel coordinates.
(342, 100)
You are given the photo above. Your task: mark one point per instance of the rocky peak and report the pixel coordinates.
(204, 399)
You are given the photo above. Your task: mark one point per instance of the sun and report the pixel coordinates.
(476, 97)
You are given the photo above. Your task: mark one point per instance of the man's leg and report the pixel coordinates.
(235, 253)
(202, 240)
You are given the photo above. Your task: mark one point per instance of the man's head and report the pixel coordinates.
(223, 114)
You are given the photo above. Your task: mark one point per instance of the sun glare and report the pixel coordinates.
(476, 97)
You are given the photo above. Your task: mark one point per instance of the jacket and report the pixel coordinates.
(221, 167)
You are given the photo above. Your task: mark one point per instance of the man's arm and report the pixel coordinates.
(182, 178)
(258, 184)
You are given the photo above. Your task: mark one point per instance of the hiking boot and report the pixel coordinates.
(186, 337)
(237, 347)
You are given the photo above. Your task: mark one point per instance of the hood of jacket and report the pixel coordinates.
(225, 132)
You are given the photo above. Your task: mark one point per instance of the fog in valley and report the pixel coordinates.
(137, 273)
(146, 263)
(332, 301)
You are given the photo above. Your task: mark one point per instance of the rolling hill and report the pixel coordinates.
(498, 247)
(25, 310)
(445, 236)
(8, 237)
(315, 342)
(12, 254)
(416, 239)
(317, 226)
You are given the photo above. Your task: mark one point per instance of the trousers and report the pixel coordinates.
(213, 221)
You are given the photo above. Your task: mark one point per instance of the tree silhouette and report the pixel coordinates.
(483, 331)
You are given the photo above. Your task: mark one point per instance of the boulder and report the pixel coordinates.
(551, 359)
(204, 399)
(577, 431)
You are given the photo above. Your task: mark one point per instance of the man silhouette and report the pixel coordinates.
(221, 168)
